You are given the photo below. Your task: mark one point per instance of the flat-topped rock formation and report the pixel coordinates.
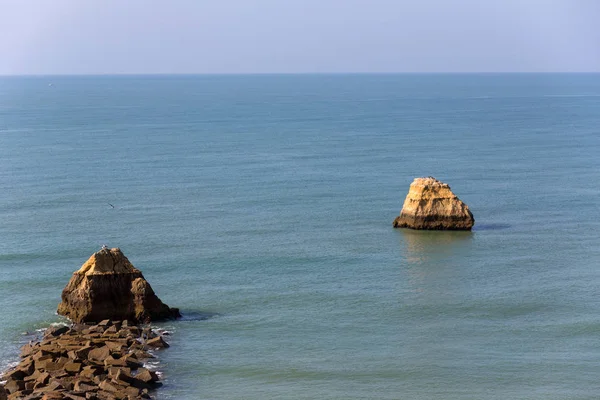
(108, 286)
(431, 205)
(85, 361)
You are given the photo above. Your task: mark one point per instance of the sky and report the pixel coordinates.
(44, 37)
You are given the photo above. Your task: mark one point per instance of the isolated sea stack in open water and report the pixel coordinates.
(108, 286)
(431, 205)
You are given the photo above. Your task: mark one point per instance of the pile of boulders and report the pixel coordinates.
(101, 361)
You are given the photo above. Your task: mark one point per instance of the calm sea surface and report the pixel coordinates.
(262, 206)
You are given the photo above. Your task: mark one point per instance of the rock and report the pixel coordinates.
(78, 364)
(431, 205)
(73, 396)
(157, 342)
(99, 354)
(43, 378)
(53, 395)
(13, 386)
(73, 367)
(146, 376)
(27, 350)
(56, 331)
(120, 374)
(15, 375)
(84, 386)
(115, 362)
(108, 286)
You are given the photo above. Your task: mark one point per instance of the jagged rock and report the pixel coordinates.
(56, 331)
(108, 286)
(70, 365)
(146, 376)
(13, 385)
(157, 342)
(431, 205)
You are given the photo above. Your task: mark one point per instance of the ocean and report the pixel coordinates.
(262, 207)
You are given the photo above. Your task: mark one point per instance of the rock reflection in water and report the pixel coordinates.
(422, 246)
(432, 259)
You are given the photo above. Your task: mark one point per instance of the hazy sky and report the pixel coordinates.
(256, 36)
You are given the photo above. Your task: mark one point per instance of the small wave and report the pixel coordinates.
(152, 365)
(197, 315)
(6, 366)
(55, 324)
(490, 227)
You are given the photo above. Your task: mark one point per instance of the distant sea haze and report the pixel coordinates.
(262, 207)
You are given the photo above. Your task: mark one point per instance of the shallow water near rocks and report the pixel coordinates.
(262, 207)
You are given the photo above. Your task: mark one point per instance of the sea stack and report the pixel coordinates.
(108, 286)
(431, 205)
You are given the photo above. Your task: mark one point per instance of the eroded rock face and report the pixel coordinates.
(430, 204)
(108, 286)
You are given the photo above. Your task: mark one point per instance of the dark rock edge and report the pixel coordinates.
(435, 223)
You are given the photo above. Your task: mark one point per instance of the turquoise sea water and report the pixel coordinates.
(262, 206)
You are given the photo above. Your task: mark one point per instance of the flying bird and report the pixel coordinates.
(111, 205)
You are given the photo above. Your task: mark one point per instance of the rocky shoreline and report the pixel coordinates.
(90, 359)
(103, 361)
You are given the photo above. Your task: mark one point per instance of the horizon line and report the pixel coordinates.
(301, 73)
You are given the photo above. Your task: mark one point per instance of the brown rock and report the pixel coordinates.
(132, 392)
(18, 395)
(115, 347)
(3, 393)
(99, 378)
(120, 374)
(134, 330)
(108, 386)
(141, 354)
(43, 378)
(55, 385)
(13, 385)
(68, 382)
(108, 286)
(15, 375)
(29, 385)
(36, 374)
(53, 395)
(55, 331)
(132, 361)
(75, 396)
(91, 371)
(91, 396)
(84, 386)
(41, 355)
(146, 376)
(115, 362)
(157, 342)
(73, 367)
(56, 365)
(28, 349)
(99, 354)
(431, 205)
(104, 395)
(111, 330)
